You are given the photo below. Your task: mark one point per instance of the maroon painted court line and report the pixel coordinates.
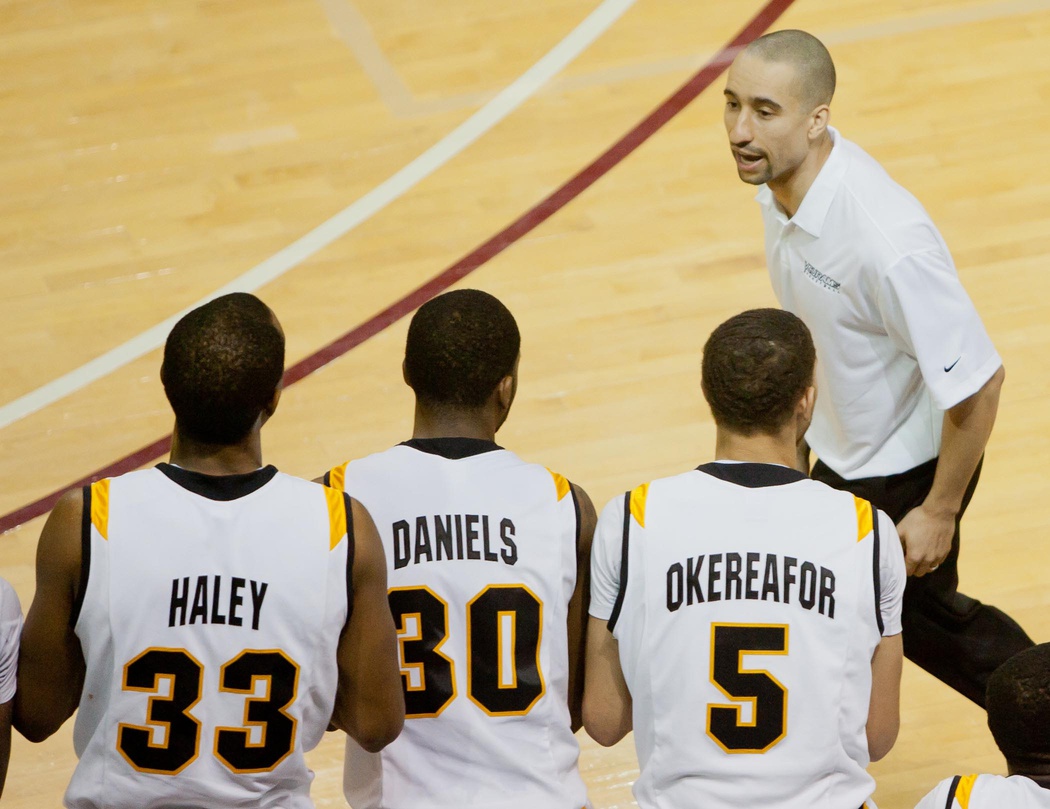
(530, 220)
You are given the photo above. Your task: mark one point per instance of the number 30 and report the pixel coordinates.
(504, 628)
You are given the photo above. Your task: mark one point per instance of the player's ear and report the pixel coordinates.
(505, 391)
(818, 121)
(404, 372)
(271, 406)
(804, 409)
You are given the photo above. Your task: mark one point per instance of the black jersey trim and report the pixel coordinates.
(349, 555)
(85, 558)
(951, 791)
(618, 605)
(453, 448)
(876, 567)
(752, 475)
(579, 517)
(219, 487)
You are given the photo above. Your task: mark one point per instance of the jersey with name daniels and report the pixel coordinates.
(747, 601)
(209, 623)
(481, 548)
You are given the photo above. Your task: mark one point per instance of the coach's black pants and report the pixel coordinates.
(957, 639)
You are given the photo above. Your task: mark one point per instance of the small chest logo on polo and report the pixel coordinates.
(819, 278)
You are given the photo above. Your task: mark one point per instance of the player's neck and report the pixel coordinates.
(1035, 772)
(758, 448)
(454, 423)
(1042, 780)
(789, 190)
(217, 459)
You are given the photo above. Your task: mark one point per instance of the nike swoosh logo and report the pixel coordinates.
(947, 368)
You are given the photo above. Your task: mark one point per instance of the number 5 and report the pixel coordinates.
(768, 698)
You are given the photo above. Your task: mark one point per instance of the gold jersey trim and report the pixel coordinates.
(100, 507)
(865, 517)
(337, 478)
(336, 516)
(638, 497)
(965, 788)
(561, 484)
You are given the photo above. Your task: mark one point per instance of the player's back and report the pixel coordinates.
(481, 550)
(211, 613)
(986, 792)
(746, 631)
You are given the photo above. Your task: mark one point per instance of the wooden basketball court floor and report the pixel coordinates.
(154, 152)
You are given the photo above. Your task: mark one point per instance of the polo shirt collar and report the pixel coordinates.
(815, 205)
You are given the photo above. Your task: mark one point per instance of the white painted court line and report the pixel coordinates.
(508, 100)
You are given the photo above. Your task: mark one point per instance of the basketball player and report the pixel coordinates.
(210, 615)
(1019, 717)
(10, 629)
(488, 560)
(745, 620)
(908, 376)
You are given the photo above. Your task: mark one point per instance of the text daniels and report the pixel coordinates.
(453, 536)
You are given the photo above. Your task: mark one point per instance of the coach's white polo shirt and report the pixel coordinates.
(898, 339)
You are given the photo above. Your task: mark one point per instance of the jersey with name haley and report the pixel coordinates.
(481, 549)
(210, 616)
(747, 601)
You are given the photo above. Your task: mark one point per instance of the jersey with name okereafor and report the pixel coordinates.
(481, 553)
(986, 792)
(211, 614)
(747, 601)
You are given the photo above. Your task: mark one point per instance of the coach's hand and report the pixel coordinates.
(927, 538)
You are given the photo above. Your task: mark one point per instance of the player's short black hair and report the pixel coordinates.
(756, 367)
(807, 54)
(1018, 703)
(222, 364)
(460, 345)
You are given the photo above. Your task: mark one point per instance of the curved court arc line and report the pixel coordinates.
(507, 101)
(531, 219)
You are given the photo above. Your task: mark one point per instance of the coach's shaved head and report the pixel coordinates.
(809, 57)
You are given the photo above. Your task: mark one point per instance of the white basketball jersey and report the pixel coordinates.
(747, 601)
(481, 549)
(209, 624)
(986, 792)
(10, 634)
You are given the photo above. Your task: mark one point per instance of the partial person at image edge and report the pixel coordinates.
(1019, 717)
